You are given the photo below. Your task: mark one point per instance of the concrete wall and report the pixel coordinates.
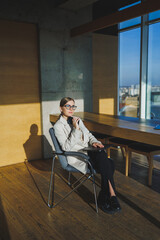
(65, 63)
(66, 71)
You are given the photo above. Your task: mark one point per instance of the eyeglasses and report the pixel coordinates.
(68, 107)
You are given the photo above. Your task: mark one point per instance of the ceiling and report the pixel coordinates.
(73, 4)
(105, 5)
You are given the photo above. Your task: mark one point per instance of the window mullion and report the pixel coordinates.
(143, 67)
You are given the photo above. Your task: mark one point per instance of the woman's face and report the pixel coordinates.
(67, 109)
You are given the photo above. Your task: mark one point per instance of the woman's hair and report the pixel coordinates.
(65, 100)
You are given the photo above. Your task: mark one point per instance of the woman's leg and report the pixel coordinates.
(107, 170)
(105, 167)
(111, 190)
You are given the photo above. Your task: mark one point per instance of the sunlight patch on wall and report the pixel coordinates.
(20, 124)
(106, 106)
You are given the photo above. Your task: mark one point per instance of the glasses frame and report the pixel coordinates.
(68, 107)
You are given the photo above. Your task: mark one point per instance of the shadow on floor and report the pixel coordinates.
(139, 169)
(4, 231)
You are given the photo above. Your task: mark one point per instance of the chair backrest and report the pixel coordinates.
(62, 158)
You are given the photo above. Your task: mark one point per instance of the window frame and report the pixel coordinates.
(144, 28)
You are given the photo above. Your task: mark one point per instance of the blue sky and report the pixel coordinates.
(129, 57)
(130, 54)
(154, 54)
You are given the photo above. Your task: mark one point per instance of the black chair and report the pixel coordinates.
(62, 156)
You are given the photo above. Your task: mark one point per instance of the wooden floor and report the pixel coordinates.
(24, 214)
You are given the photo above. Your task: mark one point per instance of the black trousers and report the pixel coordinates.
(105, 166)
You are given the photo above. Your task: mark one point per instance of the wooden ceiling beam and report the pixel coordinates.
(117, 17)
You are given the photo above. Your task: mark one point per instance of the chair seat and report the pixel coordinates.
(146, 148)
(121, 141)
(71, 169)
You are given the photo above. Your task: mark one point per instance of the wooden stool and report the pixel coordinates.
(145, 149)
(123, 144)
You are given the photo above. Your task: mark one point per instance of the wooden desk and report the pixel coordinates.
(138, 130)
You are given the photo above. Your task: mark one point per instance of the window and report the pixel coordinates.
(131, 22)
(129, 72)
(154, 15)
(139, 61)
(153, 81)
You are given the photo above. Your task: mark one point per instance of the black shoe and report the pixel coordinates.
(115, 204)
(104, 203)
(107, 208)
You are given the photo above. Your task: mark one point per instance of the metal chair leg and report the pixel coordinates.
(51, 185)
(51, 188)
(79, 179)
(95, 196)
(69, 179)
(63, 198)
(94, 190)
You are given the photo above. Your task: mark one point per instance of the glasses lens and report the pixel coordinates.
(68, 107)
(74, 107)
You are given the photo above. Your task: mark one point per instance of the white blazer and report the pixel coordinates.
(72, 139)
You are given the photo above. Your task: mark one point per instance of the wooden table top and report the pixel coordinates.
(127, 128)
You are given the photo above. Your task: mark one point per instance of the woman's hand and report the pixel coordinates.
(96, 144)
(75, 122)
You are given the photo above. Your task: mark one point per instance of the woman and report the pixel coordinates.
(73, 136)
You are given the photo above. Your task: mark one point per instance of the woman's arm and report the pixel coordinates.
(67, 142)
(92, 139)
